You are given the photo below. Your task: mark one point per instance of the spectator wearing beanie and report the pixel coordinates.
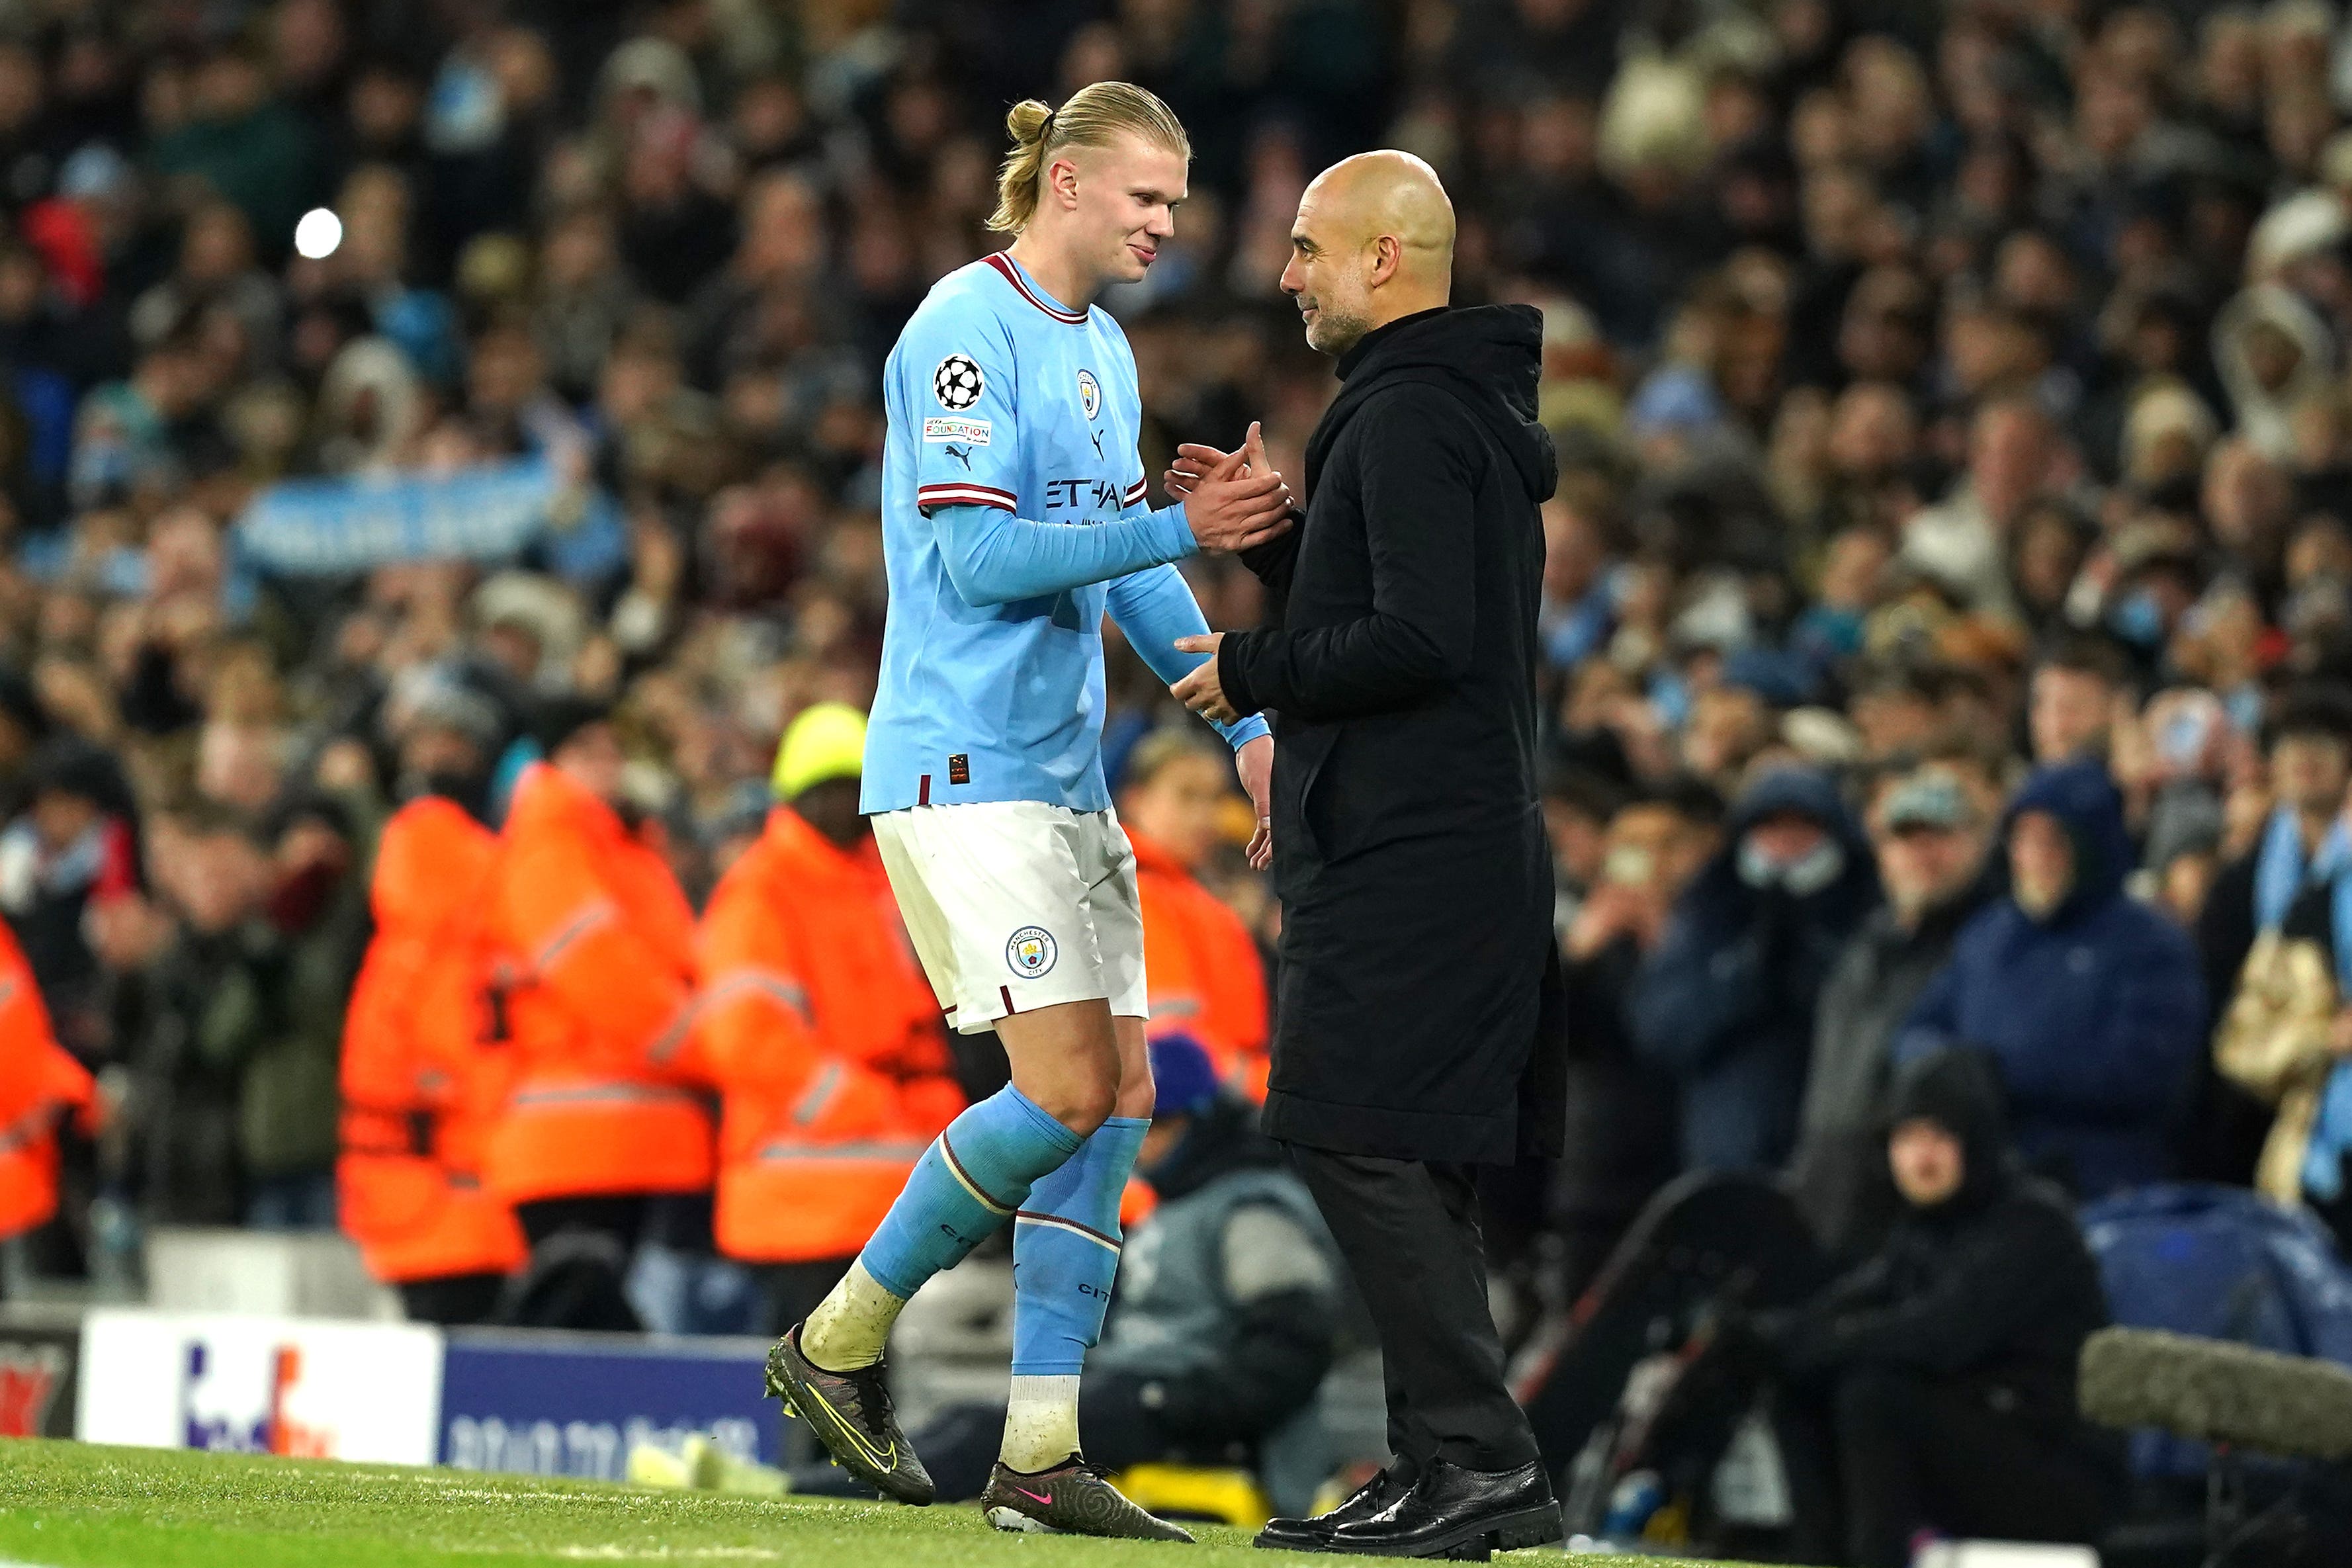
(422, 1070)
(603, 1112)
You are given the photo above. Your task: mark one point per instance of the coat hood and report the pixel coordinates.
(1958, 1090)
(546, 797)
(2264, 412)
(431, 860)
(2084, 801)
(1490, 356)
(1804, 792)
(1719, 896)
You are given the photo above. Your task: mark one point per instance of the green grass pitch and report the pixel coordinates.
(72, 1505)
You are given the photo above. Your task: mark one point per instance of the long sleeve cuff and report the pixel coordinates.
(1230, 675)
(1251, 726)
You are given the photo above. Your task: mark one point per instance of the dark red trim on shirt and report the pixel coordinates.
(1012, 271)
(930, 496)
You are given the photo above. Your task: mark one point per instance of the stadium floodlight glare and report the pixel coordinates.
(318, 233)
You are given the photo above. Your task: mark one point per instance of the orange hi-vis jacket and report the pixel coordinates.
(421, 1074)
(37, 1081)
(818, 1024)
(1205, 975)
(600, 942)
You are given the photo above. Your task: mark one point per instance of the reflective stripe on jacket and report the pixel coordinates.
(422, 1078)
(817, 1024)
(601, 942)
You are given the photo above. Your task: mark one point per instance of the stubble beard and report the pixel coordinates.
(1334, 331)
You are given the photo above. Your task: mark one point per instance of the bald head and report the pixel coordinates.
(1394, 194)
(1373, 242)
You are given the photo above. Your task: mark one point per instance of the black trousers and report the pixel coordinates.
(450, 1300)
(580, 1252)
(1408, 1229)
(793, 1291)
(1878, 1455)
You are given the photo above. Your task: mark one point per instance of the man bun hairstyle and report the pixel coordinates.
(1094, 116)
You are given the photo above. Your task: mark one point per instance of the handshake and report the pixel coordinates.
(1232, 500)
(1236, 496)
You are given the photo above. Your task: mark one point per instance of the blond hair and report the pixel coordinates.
(1163, 747)
(1094, 116)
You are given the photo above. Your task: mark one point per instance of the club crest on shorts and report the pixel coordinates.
(1090, 395)
(957, 383)
(1031, 952)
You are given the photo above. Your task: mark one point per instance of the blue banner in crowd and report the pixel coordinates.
(323, 527)
(574, 1405)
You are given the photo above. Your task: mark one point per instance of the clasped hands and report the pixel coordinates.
(1203, 471)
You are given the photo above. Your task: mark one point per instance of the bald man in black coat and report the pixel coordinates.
(1407, 842)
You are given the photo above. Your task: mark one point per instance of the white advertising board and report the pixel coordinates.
(308, 1388)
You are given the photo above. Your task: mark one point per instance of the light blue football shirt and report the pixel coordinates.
(1012, 520)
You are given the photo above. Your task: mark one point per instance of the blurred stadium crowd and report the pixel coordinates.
(1943, 392)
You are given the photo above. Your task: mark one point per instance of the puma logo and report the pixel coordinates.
(1097, 438)
(961, 454)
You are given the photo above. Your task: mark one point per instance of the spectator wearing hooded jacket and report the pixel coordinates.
(2090, 1003)
(1725, 1005)
(1932, 1387)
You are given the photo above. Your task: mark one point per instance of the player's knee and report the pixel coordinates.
(1135, 1097)
(1081, 1102)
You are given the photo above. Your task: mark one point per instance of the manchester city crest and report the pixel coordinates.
(1090, 395)
(1031, 951)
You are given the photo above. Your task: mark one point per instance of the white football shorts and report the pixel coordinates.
(1017, 905)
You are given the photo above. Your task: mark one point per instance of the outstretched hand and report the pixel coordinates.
(1202, 691)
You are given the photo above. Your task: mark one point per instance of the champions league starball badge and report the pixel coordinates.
(957, 383)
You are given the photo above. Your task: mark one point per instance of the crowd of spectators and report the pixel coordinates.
(1945, 393)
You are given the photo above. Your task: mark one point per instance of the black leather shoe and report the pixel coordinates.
(1315, 1534)
(1465, 1515)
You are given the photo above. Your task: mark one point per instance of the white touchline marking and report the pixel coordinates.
(667, 1553)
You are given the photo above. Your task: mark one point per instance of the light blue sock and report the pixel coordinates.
(968, 1182)
(1065, 1252)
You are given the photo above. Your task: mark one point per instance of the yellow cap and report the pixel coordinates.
(827, 742)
